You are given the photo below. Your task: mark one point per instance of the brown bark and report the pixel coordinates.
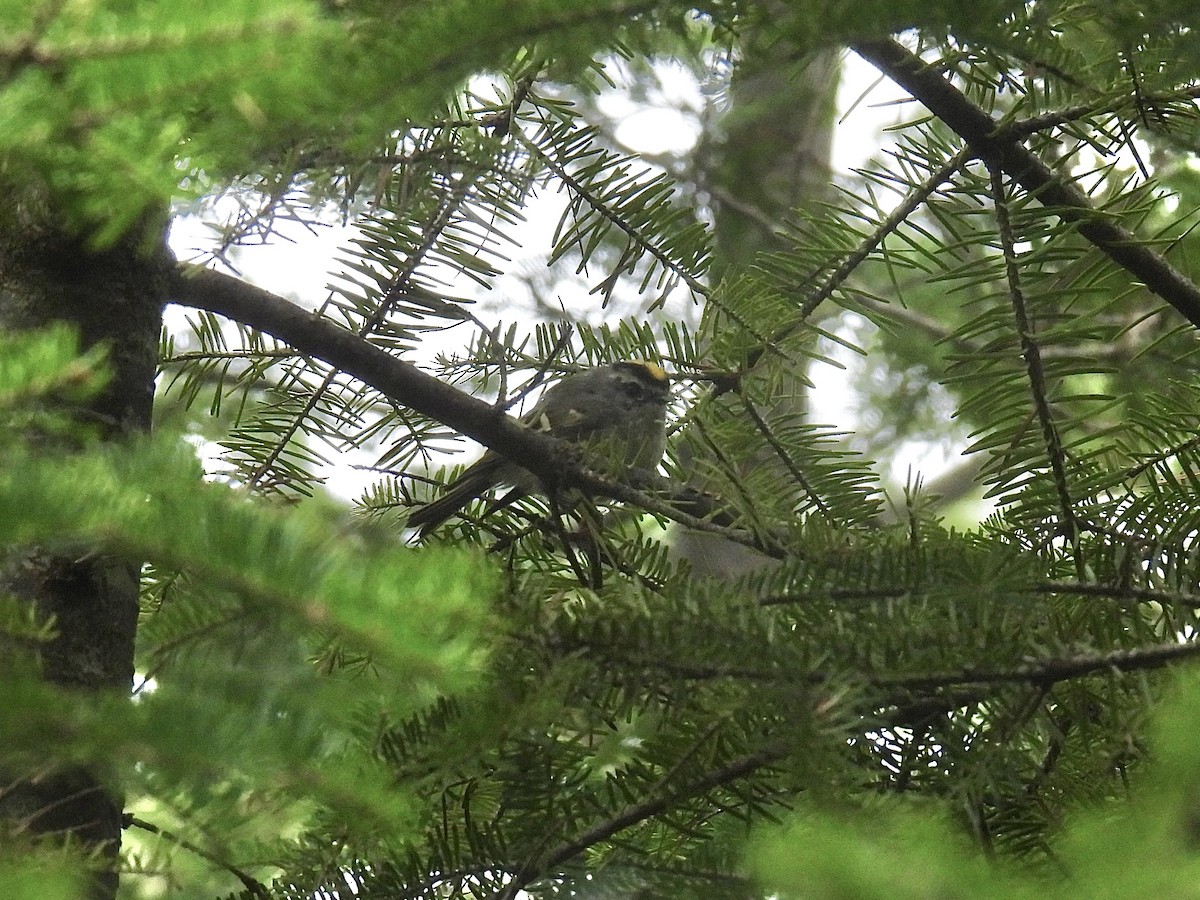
(112, 297)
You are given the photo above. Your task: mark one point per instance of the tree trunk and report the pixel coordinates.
(773, 157)
(114, 297)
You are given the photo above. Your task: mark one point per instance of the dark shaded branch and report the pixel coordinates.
(1072, 114)
(1056, 588)
(1142, 595)
(1043, 671)
(1051, 670)
(638, 812)
(313, 335)
(553, 461)
(992, 140)
(1032, 354)
(252, 885)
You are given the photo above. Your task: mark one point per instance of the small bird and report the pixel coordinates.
(618, 413)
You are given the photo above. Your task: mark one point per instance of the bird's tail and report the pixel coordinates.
(458, 495)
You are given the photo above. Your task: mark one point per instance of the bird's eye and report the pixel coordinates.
(633, 389)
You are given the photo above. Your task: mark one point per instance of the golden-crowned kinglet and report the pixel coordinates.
(617, 412)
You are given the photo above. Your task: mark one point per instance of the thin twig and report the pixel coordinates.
(544, 367)
(786, 458)
(602, 210)
(396, 290)
(632, 815)
(1033, 359)
(892, 222)
(1161, 457)
(251, 884)
(1050, 670)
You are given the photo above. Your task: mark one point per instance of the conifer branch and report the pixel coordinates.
(1051, 670)
(396, 288)
(598, 205)
(1058, 118)
(1159, 458)
(785, 457)
(813, 298)
(638, 812)
(1044, 671)
(158, 658)
(1115, 592)
(1052, 588)
(253, 886)
(314, 335)
(988, 138)
(311, 334)
(1033, 359)
(912, 201)
(204, 355)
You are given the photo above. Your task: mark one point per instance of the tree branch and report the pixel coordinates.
(992, 140)
(1042, 671)
(638, 812)
(1052, 588)
(1142, 595)
(311, 334)
(253, 886)
(1032, 354)
(1051, 670)
(604, 210)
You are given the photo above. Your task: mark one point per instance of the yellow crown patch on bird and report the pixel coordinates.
(654, 370)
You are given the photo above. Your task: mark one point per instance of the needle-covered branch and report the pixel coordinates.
(313, 335)
(1052, 669)
(403, 382)
(639, 812)
(991, 139)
